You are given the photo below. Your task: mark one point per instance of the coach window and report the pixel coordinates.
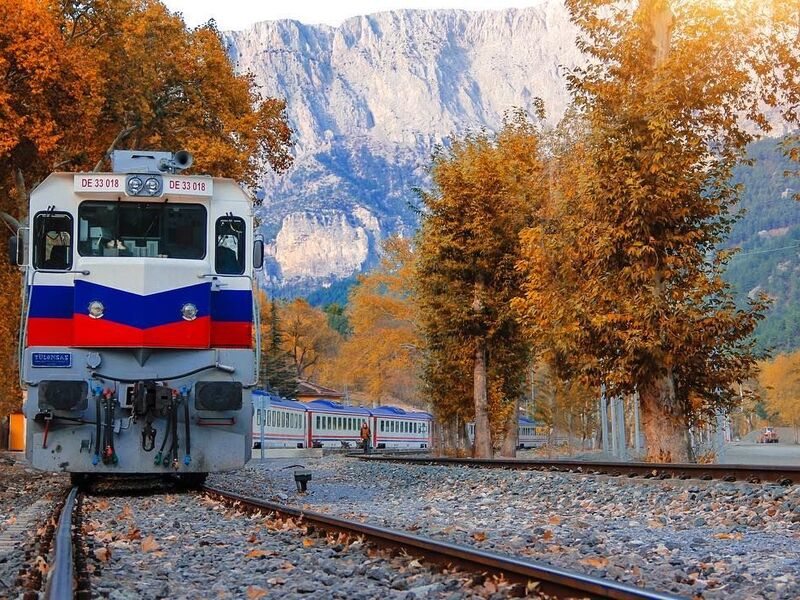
(230, 246)
(52, 241)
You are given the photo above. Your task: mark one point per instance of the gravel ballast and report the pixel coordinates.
(27, 499)
(190, 546)
(703, 539)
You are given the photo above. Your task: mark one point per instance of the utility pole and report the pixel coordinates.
(613, 424)
(603, 418)
(719, 437)
(636, 435)
(622, 443)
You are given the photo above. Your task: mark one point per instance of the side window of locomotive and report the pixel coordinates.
(230, 248)
(52, 241)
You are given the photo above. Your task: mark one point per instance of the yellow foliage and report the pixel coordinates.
(307, 337)
(780, 379)
(381, 356)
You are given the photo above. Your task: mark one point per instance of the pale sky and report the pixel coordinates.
(238, 14)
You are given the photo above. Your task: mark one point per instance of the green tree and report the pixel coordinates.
(468, 247)
(277, 369)
(337, 318)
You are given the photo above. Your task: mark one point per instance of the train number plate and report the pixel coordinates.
(62, 360)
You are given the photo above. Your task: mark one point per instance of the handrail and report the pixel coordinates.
(25, 312)
(256, 320)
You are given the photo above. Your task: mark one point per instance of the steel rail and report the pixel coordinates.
(752, 473)
(554, 581)
(61, 574)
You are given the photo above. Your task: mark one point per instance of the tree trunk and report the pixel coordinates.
(665, 429)
(483, 436)
(511, 439)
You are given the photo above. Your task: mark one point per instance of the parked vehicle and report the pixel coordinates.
(768, 436)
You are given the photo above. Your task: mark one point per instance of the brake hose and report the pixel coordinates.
(110, 431)
(220, 366)
(97, 418)
(175, 435)
(187, 457)
(158, 458)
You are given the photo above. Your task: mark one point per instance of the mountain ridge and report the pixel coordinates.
(361, 147)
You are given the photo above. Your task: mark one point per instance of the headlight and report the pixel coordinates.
(152, 186)
(96, 309)
(189, 312)
(135, 185)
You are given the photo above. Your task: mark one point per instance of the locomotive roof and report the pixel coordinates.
(526, 421)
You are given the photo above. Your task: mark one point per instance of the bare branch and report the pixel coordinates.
(123, 134)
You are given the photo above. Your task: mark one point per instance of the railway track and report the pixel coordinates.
(67, 577)
(706, 472)
(549, 581)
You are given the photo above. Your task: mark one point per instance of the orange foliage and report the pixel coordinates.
(307, 337)
(381, 356)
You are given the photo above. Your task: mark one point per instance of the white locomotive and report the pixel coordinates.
(136, 345)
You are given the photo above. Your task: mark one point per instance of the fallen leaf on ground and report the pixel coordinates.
(258, 553)
(308, 542)
(729, 536)
(479, 536)
(254, 592)
(554, 520)
(598, 562)
(102, 554)
(149, 544)
(547, 535)
(126, 512)
(40, 564)
(134, 534)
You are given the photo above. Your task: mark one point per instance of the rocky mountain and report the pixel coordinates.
(369, 101)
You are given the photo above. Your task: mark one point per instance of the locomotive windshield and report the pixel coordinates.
(142, 229)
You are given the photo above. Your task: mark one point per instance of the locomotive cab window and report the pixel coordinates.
(230, 248)
(142, 229)
(52, 241)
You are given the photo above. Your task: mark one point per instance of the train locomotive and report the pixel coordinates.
(136, 347)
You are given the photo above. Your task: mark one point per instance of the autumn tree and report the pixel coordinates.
(81, 78)
(780, 379)
(485, 188)
(84, 78)
(630, 291)
(277, 373)
(381, 356)
(307, 337)
(50, 98)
